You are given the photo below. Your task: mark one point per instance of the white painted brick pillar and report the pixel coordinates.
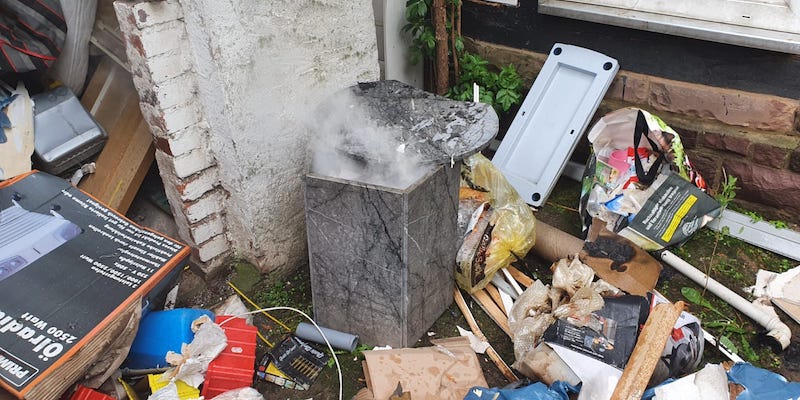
(227, 87)
(157, 49)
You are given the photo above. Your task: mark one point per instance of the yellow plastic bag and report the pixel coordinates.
(501, 228)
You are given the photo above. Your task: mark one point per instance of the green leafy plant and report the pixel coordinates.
(726, 327)
(420, 28)
(727, 190)
(784, 265)
(500, 87)
(725, 195)
(358, 353)
(779, 224)
(754, 217)
(501, 90)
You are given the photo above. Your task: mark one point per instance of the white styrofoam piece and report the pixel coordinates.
(510, 279)
(503, 286)
(552, 119)
(785, 242)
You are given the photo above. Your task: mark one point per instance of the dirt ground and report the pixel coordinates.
(730, 261)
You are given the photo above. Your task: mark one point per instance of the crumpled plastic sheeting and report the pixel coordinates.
(234, 307)
(606, 289)
(192, 364)
(572, 296)
(584, 302)
(529, 317)
(570, 274)
(245, 393)
(533, 301)
(527, 334)
(536, 391)
(514, 230)
(169, 392)
(544, 363)
(761, 384)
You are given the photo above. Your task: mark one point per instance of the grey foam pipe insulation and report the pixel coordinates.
(338, 339)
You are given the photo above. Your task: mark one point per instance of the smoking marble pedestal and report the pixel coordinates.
(382, 259)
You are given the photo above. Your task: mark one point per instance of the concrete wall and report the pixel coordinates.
(255, 71)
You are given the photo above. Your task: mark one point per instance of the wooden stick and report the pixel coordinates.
(494, 312)
(454, 52)
(441, 64)
(494, 293)
(647, 351)
(473, 325)
(520, 277)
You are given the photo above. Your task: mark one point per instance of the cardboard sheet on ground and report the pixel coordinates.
(783, 289)
(619, 261)
(445, 371)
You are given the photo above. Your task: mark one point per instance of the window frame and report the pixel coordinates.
(766, 24)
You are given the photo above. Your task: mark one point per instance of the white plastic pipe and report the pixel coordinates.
(776, 328)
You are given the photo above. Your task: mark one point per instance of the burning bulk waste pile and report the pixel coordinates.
(389, 134)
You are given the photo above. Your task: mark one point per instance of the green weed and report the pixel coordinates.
(779, 224)
(754, 217)
(500, 87)
(784, 265)
(727, 190)
(725, 328)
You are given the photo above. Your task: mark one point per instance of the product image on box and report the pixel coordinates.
(75, 277)
(26, 235)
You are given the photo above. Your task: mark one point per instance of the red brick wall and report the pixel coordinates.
(752, 136)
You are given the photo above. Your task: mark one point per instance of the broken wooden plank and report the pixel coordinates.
(492, 291)
(486, 303)
(647, 351)
(106, 34)
(476, 330)
(520, 277)
(129, 152)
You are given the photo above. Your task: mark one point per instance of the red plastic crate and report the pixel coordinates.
(84, 393)
(235, 366)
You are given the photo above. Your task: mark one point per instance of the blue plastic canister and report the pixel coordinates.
(160, 332)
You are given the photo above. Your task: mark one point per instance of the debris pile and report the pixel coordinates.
(388, 239)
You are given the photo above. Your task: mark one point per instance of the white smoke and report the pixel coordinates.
(347, 143)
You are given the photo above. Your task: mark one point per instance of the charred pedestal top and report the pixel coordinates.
(423, 126)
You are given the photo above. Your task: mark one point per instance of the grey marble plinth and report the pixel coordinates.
(381, 258)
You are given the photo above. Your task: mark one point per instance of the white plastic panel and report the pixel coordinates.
(552, 119)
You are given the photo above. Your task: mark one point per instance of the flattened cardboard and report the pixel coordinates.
(444, 372)
(635, 272)
(63, 304)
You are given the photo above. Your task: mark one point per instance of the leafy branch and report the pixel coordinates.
(499, 87)
(723, 324)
